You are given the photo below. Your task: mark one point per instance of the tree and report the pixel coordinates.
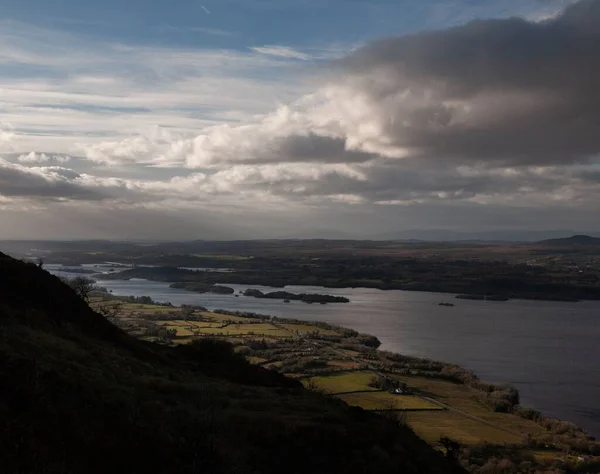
(83, 286)
(391, 412)
(452, 447)
(109, 309)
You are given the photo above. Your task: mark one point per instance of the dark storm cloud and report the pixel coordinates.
(407, 181)
(509, 91)
(49, 182)
(313, 147)
(46, 183)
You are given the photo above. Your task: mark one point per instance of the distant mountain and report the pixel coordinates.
(313, 234)
(574, 241)
(445, 235)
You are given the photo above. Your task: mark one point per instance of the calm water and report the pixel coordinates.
(550, 351)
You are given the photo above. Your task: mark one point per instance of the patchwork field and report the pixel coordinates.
(386, 401)
(304, 329)
(267, 330)
(434, 407)
(431, 426)
(465, 399)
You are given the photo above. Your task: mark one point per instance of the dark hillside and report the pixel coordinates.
(574, 241)
(80, 396)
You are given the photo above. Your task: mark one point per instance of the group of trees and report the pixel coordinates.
(386, 383)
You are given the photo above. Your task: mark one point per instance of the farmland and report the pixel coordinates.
(436, 400)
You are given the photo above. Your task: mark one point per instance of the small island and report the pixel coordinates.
(304, 297)
(203, 288)
(483, 297)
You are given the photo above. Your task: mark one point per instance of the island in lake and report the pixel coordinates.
(199, 287)
(286, 296)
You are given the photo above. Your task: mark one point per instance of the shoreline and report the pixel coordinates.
(551, 403)
(459, 377)
(443, 404)
(504, 396)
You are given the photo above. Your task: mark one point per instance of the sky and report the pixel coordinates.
(306, 118)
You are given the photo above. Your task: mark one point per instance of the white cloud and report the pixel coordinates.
(6, 137)
(401, 122)
(121, 91)
(281, 52)
(34, 157)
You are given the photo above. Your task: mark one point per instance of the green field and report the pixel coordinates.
(431, 425)
(464, 398)
(386, 401)
(305, 328)
(256, 360)
(225, 317)
(253, 330)
(189, 324)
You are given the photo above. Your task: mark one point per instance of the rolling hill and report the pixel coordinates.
(573, 241)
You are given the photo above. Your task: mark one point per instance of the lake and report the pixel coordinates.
(550, 351)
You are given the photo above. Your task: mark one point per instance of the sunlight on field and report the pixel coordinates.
(257, 330)
(182, 331)
(427, 419)
(256, 360)
(465, 399)
(227, 317)
(189, 324)
(431, 425)
(304, 329)
(386, 401)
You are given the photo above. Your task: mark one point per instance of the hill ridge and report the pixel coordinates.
(575, 240)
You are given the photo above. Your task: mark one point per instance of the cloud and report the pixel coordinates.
(281, 51)
(507, 91)
(490, 111)
(97, 92)
(6, 137)
(34, 157)
(52, 182)
(494, 114)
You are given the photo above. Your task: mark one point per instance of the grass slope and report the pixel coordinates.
(79, 395)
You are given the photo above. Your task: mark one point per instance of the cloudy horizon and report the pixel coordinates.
(228, 121)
